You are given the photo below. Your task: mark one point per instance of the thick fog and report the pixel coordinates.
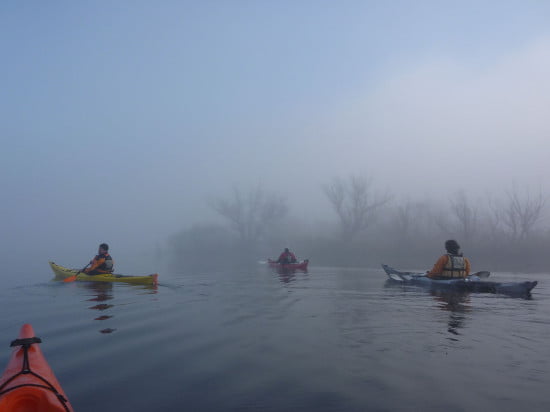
(128, 122)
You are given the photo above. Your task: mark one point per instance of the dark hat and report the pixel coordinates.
(452, 246)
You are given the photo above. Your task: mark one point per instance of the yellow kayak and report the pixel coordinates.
(63, 273)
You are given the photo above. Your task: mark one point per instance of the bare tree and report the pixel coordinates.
(249, 214)
(355, 203)
(412, 218)
(459, 218)
(492, 219)
(466, 216)
(520, 215)
(404, 218)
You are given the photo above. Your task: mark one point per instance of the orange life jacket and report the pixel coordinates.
(455, 267)
(102, 264)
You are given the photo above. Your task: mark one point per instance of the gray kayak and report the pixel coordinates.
(472, 283)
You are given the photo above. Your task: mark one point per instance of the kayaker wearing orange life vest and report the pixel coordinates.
(287, 257)
(452, 264)
(102, 262)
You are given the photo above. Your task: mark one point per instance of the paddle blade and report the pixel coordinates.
(73, 277)
(482, 274)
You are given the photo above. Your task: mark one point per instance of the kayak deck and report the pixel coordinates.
(472, 283)
(28, 383)
(61, 273)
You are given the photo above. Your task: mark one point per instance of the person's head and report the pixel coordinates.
(103, 248)
(452, 246)
(286, 250)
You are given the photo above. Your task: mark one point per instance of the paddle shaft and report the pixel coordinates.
(480, 274)
(73, 277)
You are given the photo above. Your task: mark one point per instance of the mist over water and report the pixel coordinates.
(200, 139)
(122, 124)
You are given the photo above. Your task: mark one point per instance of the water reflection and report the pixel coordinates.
(457, 303)
(102, 292)
(287, 276)
(102, 295)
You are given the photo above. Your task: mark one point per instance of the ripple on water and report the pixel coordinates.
(332, 339)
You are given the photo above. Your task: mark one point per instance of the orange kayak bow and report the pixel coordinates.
(28, 383)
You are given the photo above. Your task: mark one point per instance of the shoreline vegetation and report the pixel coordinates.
(521, 258)
(369, 227)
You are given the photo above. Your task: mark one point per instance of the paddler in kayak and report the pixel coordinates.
(286, 257)
(102, 262)
(452, 264)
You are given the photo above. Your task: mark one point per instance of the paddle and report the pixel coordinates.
(398, 275)
(73, 277)
(481, 274)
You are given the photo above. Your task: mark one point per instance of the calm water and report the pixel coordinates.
(330, 340)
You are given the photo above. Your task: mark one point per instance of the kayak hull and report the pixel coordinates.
(28, 383)
(61, 273)
(288, 266)
(470, 284)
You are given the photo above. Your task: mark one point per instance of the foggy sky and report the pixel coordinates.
(120, 120)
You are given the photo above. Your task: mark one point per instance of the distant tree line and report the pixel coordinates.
(370, 227)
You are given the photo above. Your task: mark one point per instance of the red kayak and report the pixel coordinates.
(288, 266)
(28, 384)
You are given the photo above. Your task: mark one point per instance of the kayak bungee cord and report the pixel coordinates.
(26, 343)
